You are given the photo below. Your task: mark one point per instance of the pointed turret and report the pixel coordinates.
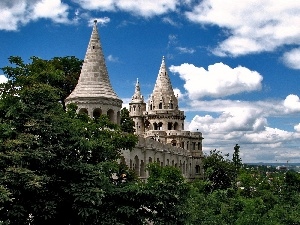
(137, 107)
(93, 93)
(137, 97)
(93, 80)
(163, 95)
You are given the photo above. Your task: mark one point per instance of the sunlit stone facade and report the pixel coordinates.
(159, 124)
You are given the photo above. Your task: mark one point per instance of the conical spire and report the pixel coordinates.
(94, 80)
(163, 95)
(137, 96)
(163, 84)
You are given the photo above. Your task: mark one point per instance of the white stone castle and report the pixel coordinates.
(159, 125)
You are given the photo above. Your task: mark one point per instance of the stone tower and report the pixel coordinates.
(93, 93)
(163, 113)
(161, 130)
(136, 108)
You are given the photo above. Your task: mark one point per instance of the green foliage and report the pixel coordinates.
(61, 73)
(127, 124)
(56, 166)
(166, 195)
(219, 172)
(262, 195)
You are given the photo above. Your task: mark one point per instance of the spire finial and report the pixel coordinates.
(95, 22)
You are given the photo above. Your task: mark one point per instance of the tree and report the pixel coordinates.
(127, 124)
(56, 166)
(219, 172)
(237, 162)
(59, 72)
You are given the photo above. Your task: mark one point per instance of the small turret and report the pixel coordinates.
(136, 108)
(163, 95)
(163, 113)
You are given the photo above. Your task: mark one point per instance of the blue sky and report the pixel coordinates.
(234, 64)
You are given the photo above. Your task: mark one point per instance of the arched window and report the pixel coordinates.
(150, 106)
(197, 169)
(110, 114)
(82, 111)
(155, 127)
(175, 126)
(97, 113)
(160, 124)
(160, 106)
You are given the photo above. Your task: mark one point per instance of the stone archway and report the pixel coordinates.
(110, 114)
(137, 165)
(83, 111)
(97, 113)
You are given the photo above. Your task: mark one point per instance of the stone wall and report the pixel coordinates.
(150, 151)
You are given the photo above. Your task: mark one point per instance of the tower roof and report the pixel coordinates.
(163, 86)
(94, 80)
(137, 96)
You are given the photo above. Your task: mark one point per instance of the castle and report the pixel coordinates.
(158, 124)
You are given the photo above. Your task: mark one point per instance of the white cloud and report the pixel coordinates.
(178, 93)
(251, 26)
(51, 9)
(145, 8)
(218, 80)
(170, 21)
(126, 102)
(246, 123)
(292, 58)
(297, 127)
(112, 58)
(292, 103)
(185, 50)
(102, 5)
(3, 79)
(16, 13)
(100, 20)
(172, 40)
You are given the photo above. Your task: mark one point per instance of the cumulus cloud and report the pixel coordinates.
(218, 80)
(292, 103)
(297, 127)
(230, 122)
(292, 58)
(178, 93)
(3, 79)
(251, 26)
(16, 13)
(145, 8)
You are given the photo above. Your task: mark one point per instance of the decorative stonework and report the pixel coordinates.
(161, 129)
(93, 90)
(162, 138)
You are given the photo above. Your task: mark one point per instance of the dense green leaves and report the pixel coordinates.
(127, 124)
(55, 166)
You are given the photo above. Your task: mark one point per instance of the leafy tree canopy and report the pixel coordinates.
(56, 166)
